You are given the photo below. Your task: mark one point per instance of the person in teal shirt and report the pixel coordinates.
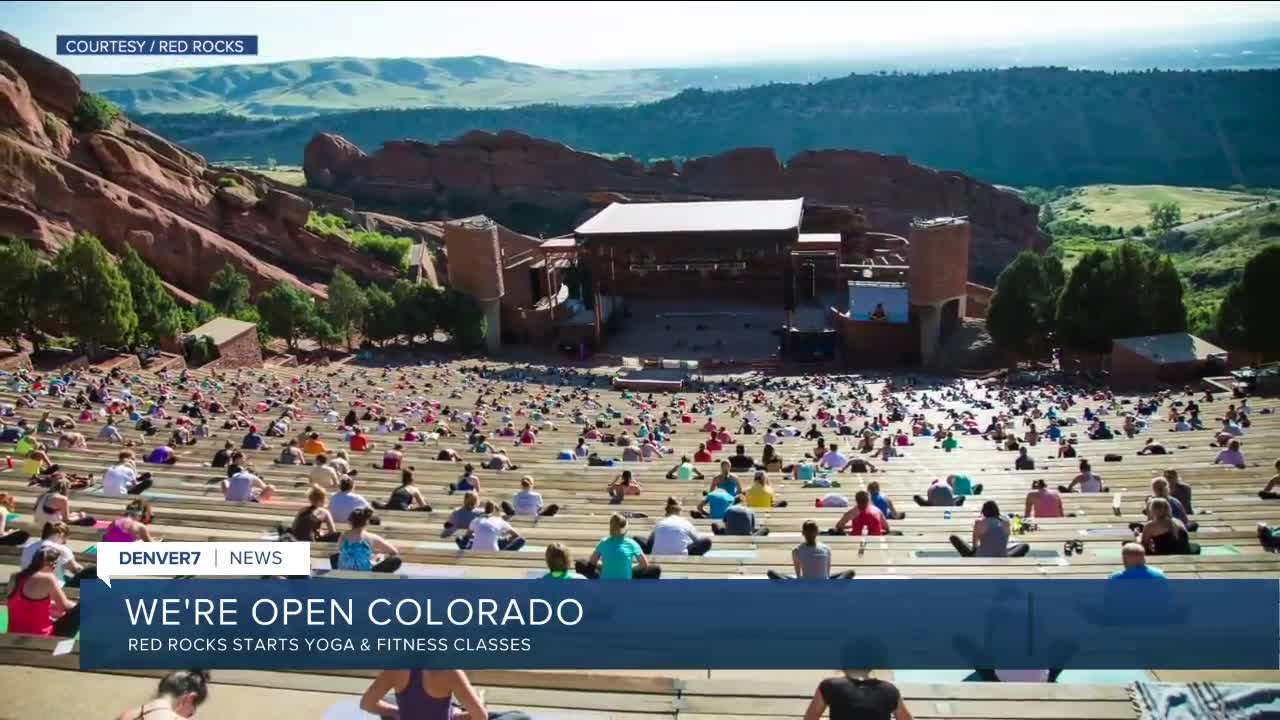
(964, 485)
(714, 505)
(618, 557)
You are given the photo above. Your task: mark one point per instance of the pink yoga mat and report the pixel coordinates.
(102, 524)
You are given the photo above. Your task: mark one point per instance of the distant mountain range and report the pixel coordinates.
(1026, 126)
(307, 87)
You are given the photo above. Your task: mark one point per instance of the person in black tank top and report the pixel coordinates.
(857, 696)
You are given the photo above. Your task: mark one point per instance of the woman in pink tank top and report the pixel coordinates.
(133, 526)
(35, 597)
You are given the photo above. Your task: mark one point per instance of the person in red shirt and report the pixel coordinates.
(703, 455)
(713, 443)
(863, 518)
(360, 442)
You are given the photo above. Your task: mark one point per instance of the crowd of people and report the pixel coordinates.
(756, 439)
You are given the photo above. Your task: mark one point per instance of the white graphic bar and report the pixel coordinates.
(167, 559)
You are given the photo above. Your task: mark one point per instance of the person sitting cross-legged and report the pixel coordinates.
(990, 536)
(528, 502)
(618, 557)
(675, 535)
(405, 497)
(863, 518)
(359, 549)
(811, 560)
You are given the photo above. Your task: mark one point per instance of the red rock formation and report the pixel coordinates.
(132, 188)
(493, 172)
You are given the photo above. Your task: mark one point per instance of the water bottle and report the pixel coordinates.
(946, 514)
(1017, 525)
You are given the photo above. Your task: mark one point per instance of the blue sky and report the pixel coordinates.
(616, 34)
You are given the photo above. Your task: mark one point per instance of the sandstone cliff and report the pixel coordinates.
(132, 188)
(536, 185)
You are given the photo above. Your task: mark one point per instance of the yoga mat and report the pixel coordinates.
(102, 524)
(734, 554)
(1108, 551)
(1068, 677)
(1034, 553)
(410, 570)
(437, 545)
(4, 619)
(12, 517)
(1118, 533)
(91, 550)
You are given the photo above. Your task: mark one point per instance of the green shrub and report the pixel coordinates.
(200, 351)
(390, 250)
(228, 181)
(94, 112)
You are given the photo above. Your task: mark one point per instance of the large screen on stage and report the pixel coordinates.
(880, 302)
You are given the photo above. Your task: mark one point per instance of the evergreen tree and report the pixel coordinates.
(347, 305)
(420, 308)
(464, 320)
(95, 304)
(1246, 318)
(287, 312)
(26, 288)
(229, 291)
(381, 317)
(1084, 305)
(1021, 316)
(158, 314)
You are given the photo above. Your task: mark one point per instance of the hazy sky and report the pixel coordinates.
(615, 34)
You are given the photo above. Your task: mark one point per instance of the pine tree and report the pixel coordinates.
(95, 303)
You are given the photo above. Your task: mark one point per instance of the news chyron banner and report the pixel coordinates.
(390, 622)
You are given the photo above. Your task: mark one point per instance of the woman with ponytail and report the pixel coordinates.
(181, 693)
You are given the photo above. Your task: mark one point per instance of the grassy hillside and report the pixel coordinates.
(1125, 206)
(1209, 259)
(307, 87)
(1026, 126)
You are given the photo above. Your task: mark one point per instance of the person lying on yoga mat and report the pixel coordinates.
(811, 560)
(406, 497)
(1164, 534)
(179, 697)
(359, 549)
(618, 557)
(428, 695)
(990, 536)
(55, 506)
(675, 535)
(36, 603)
